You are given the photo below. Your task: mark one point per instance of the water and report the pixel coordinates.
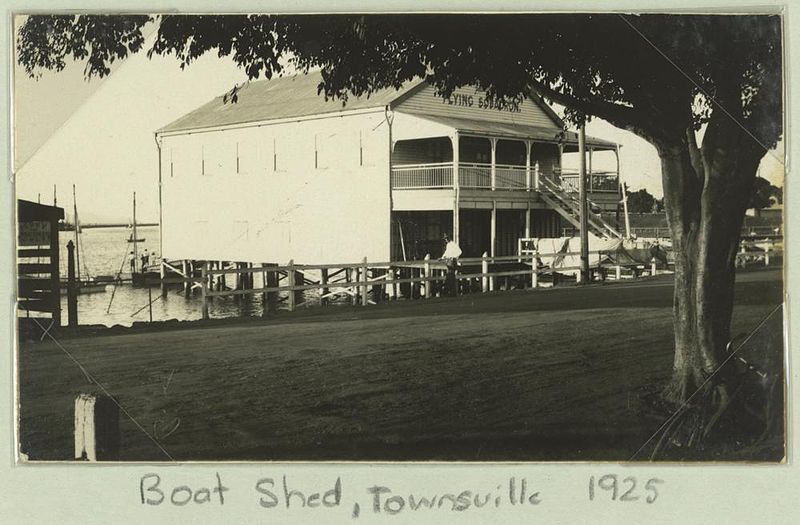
(105, 251)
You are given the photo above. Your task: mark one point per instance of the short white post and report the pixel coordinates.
(484, 272)
(618, 272)
(653, 266)
(535, 270)
(427, 275)
(96, 428)
(766, 253)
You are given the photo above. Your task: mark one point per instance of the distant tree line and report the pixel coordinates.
(765, 194)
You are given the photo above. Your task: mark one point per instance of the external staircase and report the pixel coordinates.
(568, 205)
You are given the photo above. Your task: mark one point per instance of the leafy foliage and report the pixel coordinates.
(765, 194)
(651, 74)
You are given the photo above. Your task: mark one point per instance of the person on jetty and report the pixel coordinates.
(145, 259)
(452, 251)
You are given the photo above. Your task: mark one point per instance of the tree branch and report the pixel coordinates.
(621, 116)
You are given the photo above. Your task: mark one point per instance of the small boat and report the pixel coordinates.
(85, 287)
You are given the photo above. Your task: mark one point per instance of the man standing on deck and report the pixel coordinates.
(450, 256)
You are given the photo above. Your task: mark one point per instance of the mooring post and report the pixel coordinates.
(653, 266)
(204, 288)
(364, 279)
(427, 275)
(535, 270)
(72, 289)
(290, 280)
(484, 272)
(97, 434)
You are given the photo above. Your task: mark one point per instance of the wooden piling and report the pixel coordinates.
(298, 280)
(204, 288)
(72, 287)
(187, 286)
(272, 297)
(290, 284)
(364, 279)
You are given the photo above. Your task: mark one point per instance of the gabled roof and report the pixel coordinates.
(282, 97)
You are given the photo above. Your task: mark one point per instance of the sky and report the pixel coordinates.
(99, 134)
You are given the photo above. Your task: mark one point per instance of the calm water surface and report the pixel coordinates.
(105, 251)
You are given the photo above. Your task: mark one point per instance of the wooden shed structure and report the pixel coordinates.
(284, 174)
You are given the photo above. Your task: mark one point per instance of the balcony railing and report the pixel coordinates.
(422, 176)
(475, 175)
(506, 177)
(598, 181)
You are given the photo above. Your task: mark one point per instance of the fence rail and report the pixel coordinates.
(368, 282)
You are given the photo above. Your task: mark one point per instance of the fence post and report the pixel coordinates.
(766, 253)
(97, 435)
(391, 287)
(535, 270)
(427, 275)
(323, 280)
(204, 288)
(72, 292)
(484, 272)
(290, 286)
(618, 272)
(653, 266)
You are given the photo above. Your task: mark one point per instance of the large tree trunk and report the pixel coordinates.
(706, 194)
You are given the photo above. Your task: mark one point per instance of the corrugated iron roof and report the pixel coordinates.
(508, 129)
(283, 97)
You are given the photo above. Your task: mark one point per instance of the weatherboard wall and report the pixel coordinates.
(315, 191)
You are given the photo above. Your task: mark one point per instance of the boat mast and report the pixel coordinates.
(135, 237)
(77, 236)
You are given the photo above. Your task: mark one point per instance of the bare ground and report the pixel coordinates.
(512, 376)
